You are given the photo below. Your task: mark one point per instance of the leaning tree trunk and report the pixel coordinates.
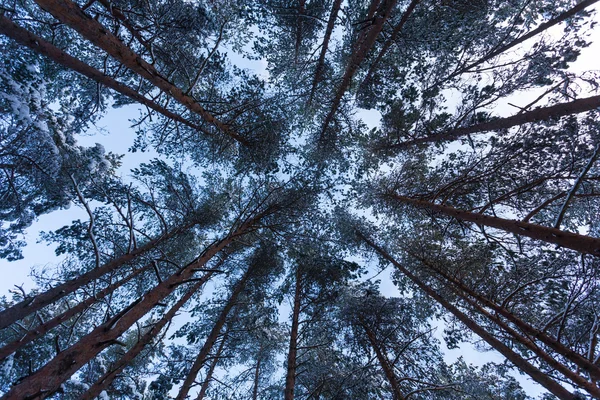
(212, 336)
(539, 114)
(31, 305)
(105, 381)
(525, 327)
(550, 384)
(324, 46)
(70, 14)
(257, 374)
(569, 240)
(48, 379)
(46, 326)
(39, 45)
(290, 377)
(358, 56)
(211, 368)
(385, 363)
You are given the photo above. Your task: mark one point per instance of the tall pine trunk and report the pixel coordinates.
(569, 240)
(290, 377)
(547, 382)
(211, 368)
(213, 336)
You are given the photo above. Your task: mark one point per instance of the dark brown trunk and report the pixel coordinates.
(211, 369)
(105, 381)
(502, 49)
(49, 378)
(301, 12)
(31, 305)
(290, 377)
(360, 53)
(212, 337)
(574, 241)
(388, 43)
(36, 43)
(70, 14)
(324, 46)
(539, 114)
(385, 364)
(464, 290)
(550, 384)
(44, 328)
(257, 374)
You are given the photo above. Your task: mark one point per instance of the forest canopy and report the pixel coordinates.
(401, 178)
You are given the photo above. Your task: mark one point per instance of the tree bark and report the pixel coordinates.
(212, 336)
(539, 114)
(573, 241)
(550, 384)
(257, 375)
(211, 369)
(388, 43)
(385, 364)
(549, 341)
(357, 57)
(31, 305)
(290, 377)
(48, 379)
(44, 328)
(301, 11)
(70, 14)
(105, 381)
(39, 45)
(324, 46)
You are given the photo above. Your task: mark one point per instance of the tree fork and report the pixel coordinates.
(70, 14)
(581, 243)
(28, 306)
(550, 384)
(49, 378)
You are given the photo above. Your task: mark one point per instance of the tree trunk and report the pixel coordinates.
(211, 369)
(44, 328)
(388, 43)
(39, 45)
(70, 14)
(290, 378)
(385, 364)
(257, 374)
(105, 381)
(549, 341)
(550, 384)
(31, 305)
(539, 114)
(574, 241)
(324, 46)
(212, 337)
(301, 12)
(49, 378)
(357, 57)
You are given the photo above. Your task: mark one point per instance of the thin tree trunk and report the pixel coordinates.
(539, 114)
(39, 45)
(70, 14)
(324, 46)
(212, 336)
(388, 43)
(211, 369)
(357, 57)
(290, 378)
(301, 11)
(551, 342)
(257, 375)
(502, 49)
(385, 364)
(105, 381)
(569, 240)
(550, 384)
(35, 303)
(48, 379)
(44, 328)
